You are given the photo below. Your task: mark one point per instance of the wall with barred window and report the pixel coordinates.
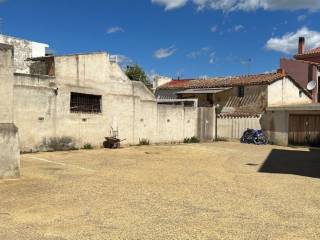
(44, 107)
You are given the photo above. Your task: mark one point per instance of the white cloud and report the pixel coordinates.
(171, 4)
(212, 57)
(205, 52)
(288, 43)
(164, 52)
(301, 18)
(214, 28)
(244, 5)
(114, 30)
(236, 28)
(198, 53)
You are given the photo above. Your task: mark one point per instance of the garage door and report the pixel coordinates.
(304, 130)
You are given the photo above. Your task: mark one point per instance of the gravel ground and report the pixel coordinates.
(201, 191)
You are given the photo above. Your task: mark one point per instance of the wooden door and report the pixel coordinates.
(304, 130)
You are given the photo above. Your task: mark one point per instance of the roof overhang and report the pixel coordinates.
(203, 91)
(297, 107)
(44, 58)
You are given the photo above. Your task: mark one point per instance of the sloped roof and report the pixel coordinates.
(309, 53)
(176, 84)
(246, 80)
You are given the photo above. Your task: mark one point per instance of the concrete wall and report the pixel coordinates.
(176, 123)
(23, 49)
(234, 127)
(276, 125)
(285, 92)
(42, 106)
(10, 152)
(302, 72)
(9, 141)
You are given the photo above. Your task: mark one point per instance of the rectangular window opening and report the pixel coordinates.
(241, 91)
(85, 103)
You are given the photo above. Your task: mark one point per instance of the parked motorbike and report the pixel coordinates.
(252, 136)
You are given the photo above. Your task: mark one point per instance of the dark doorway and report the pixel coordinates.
(302, 163)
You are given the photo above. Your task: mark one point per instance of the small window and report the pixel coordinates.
(300, 93)
(241, 91)
(85, 103)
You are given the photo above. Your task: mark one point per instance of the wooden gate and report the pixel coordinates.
(304, 130)
(206, 117)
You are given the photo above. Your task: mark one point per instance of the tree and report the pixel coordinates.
(136, 73)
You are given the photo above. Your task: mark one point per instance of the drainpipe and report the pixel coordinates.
(216, 121)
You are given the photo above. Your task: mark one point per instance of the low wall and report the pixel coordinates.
(234, 127)
(175, 123)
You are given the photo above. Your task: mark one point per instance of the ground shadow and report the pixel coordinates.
(302, 163)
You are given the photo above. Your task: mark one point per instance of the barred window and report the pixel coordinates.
(85, 103)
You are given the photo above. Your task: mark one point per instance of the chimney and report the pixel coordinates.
(281, 71)
(301, 45)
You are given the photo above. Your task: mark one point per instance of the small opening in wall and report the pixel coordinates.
(241, 91)
(168, 120)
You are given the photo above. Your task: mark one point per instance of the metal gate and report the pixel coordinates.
(304, 130)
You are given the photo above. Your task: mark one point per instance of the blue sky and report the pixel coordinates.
(189, 38)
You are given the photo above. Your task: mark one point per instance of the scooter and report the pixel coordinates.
(252, 136)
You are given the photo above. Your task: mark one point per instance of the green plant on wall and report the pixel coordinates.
(136, 73)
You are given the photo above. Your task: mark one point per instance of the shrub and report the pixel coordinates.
(144, 141)
(87, 146)
(59, 144)
(221, 139)
(191, 140)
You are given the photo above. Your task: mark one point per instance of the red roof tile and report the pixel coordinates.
(176, 84)
(258, 79)
(309, 53)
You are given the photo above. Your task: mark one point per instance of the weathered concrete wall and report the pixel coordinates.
(42, 106)
(234, 127)
(10, 152)
(9, 141)
(176, 123)
(285, 92)
(276, 125)
(23, 49)
(302, 72)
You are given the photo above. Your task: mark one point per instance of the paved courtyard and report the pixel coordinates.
(201, 191)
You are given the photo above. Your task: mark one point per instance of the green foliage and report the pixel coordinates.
(191, 140)
(144, 141)
(87, 146)
(136, 73)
